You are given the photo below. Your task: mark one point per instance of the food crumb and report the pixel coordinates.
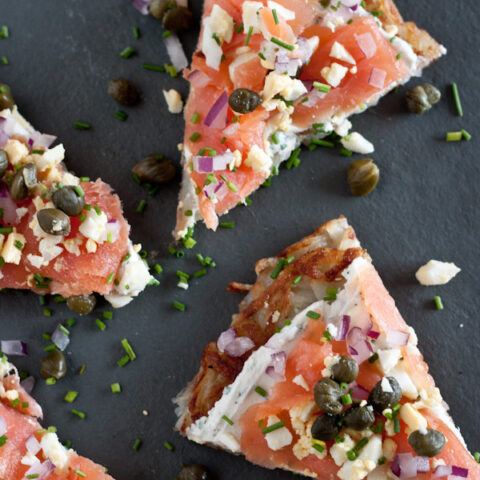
(145, 412)
(174, 101)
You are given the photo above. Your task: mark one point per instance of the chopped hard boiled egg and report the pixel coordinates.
(436, 273)
(174, 101)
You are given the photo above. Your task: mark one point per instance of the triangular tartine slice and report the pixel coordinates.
(27, 451)
(281, 385)
(307, 65)
(84, 248)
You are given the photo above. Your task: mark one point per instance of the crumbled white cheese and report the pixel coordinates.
(366, 462)
(250, 17)
(15, 151)
(21, 212)
(11, 395)
(237, 160)
(174, 101)
(29, 459)
(338, 451)
(50, 159)
(35, 260)
(278, 438)
(278, 84)
(388, 359)
(10, 253)
(339, 52)
(436, 273)
(354, 70)
(94, 226)
(91, 246)
(406, 383)
(343, 128)
(428, 399)
(229, 441)
(54, 450)
(300, 381)
(221, 23)
(389, 449)
(48, 247)
(385, 385)
(334, 74)
(437, 462)
(258, 160)
(390, 30)
(413, 418)
(357, 143)
(72, 245)
(329, 362)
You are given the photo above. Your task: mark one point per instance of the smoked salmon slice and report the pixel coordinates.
(27, 451)
(59, 233)
(303, 67)
(319, 374)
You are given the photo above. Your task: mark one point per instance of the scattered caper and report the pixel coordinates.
(359, 418)
(3, 163)
(155, 169)
(345, 370)
(243, 100)
(54, 365)
(6, 98)
(177, 19)
(327, 396)
(363, 176)
(123, 92)
(325, 427)
(422, 97)
(53, 221)
(23, 180)
(427, 444)
(159, 7)
(67, 200)
(381, 399)
(81, 304)
(194, 472)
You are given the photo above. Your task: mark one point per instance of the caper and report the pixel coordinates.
(159, 7)
(177, 19)
(433, 93)
(54, 365)
(427, 444)
(81, 304)
(67, 200)
(381, 399)
(417, 100)
(3, 163)
(325, 427)
(23, 180)
(155, 169)
(345, 370)
(194, 472)
(243, 100)
(359, 418)
(123, 92)
(53, 221)
(327, 396)
(6, 98)
(363, 176)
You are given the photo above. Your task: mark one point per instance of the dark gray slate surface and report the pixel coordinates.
(63, 53)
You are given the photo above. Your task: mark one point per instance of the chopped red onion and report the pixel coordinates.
(404, 465)
(423, 464)
(13, 347)
(285, 64)
(358, 346)
(377, 78)
(198, 79)
(41, 140)
(343, 328)
(203, 164)
(396, 337)
(373, 334)
(112, 227)
(175, 52)
(270, 371)
(60, 338)
(366, 44)
(279, 362)
(231, 129)
(442, 471)
(220, 162)
(355, 335)
(225, 338)
(8, 205)
(217, 116)
(218, 190)
(3, 135)
(141, 5)
(359, 392)
(229, 343)
(304, 50)
(43, 470)
(351, 3)
(453, 472)
(455, 477)
(33, 445)
(459, 471)
(3, 426)
(28, 384)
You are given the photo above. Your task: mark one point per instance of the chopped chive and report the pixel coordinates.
(166, 34)
(70, 396)
(322, 87)
(476, 456)
(79, 190)
(318, 447)
(382, 460)
(80, 473)
(33, 475)
(312, 314)
(189, 242)
(25, 404)
(273, 427)
(322, 143)
(230, 422)
(376, 13)
(128, 348)
(327, 335)
(195, 137)
(456, 97)
(168, 446)
(156, 68)
(15, 402)
(3, 440)
(275, 17)
(6, 230)
(339, 439)
(454, 136)
(399, 55)
(47, 312)
(141, 206)
(195, 117)
(396, 425)
(215, 37)
(297, 280)
(121, 115)
(123, 361)
(262, 56)
(39, 152)
(231, 186)
(100, 324)
(116, 388)
(136, 32)
(278, 42)
(4, 60)
(466, 135)
(179, 305)
(227, 224)
(260, 391)
(110, 278)
(345, 152)
(278, 268)
(438, 302)
(79, 414)
(373, 358)
(346, 399)
(82, 126)
(158, 268)
(81, 370)
(127, 52)
(249, 34)
(4, 32)
(18, 244)
(51, 381)
(200, 273)
(224, 139)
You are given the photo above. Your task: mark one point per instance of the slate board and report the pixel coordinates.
(62, 55)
